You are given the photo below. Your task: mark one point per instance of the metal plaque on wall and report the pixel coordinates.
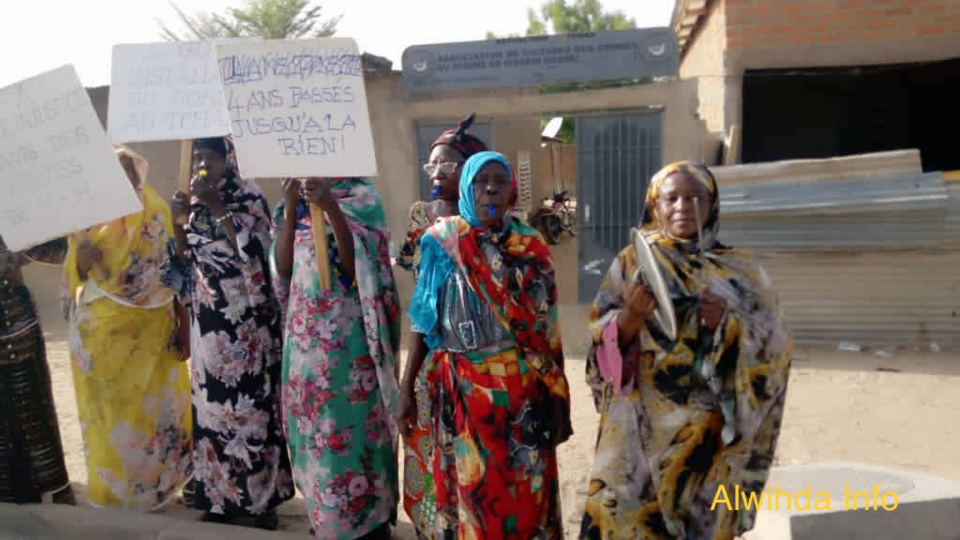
(536, 60)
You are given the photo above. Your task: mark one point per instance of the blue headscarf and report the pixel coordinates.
(467, 204)
(435, 263)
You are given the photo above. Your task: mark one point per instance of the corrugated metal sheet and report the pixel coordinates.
(880, 213)
(880, 274)
(836, 196)
(907, 299)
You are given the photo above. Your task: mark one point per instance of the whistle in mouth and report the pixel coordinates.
(491, 211)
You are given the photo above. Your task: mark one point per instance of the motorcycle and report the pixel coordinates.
(555, 217)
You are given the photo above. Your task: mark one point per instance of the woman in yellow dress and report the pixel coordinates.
(133, 391)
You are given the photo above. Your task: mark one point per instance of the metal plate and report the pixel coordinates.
(649, 272)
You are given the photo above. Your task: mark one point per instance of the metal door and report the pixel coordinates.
(427, 133)
(616, 156)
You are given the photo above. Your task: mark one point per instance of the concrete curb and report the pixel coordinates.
(59, 521)
(928, 506)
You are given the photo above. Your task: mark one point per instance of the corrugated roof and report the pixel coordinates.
(876, 268)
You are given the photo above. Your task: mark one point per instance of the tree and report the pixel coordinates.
(270, 19)
(578, 16)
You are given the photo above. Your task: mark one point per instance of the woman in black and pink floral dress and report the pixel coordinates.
(219, 267)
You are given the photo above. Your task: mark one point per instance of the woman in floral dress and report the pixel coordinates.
(133, 392)
(484, 316)
(447, 156)
(339, 360)
(220, 269)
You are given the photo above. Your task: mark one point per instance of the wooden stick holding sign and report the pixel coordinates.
(320, 244)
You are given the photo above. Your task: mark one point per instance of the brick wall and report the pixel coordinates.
(704, 61)
(778, 23)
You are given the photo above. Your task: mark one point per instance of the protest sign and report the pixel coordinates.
(298, 107)
(58, 171)
(166, 91)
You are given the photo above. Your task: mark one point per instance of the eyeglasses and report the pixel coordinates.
(446, 168)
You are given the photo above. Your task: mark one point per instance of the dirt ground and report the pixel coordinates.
(896, 412)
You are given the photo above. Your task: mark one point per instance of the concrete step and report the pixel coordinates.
(918, 506)
(51, 521)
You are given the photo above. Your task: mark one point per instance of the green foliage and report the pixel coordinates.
(578, 16)
(269, 19)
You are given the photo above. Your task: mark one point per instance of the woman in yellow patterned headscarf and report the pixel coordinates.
(681, 419)
(133, 392)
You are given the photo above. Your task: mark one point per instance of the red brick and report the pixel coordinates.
(899, 11)
(758, 30)
(931, 30)
(871, 13)
(863, 36)
(881, 24)
(836, 15)
(786, 7)
(898, 34)
(933, 9)
(747, 15)
(803, 39)
(739, 44)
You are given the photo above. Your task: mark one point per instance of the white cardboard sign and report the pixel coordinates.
(166, 91)
(58, 171)
(298, 107)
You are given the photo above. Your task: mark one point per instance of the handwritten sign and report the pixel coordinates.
(166, 91)
(58, 171)
(298, 108)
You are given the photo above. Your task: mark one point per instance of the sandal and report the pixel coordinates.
(268, 522)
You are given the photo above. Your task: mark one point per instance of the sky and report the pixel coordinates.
(40, 35)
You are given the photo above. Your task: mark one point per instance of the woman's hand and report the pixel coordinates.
(291, 192)
(183, 330)
(408, 409)
(639, 302)
(87, 257)
(317, 191)
(204, 190)
(180, 207)
(711, 310)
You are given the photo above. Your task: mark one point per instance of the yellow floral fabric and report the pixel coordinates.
(133, 393)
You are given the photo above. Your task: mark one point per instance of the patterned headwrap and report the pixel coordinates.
(651, 218)
(460, 140)
(473, 166)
